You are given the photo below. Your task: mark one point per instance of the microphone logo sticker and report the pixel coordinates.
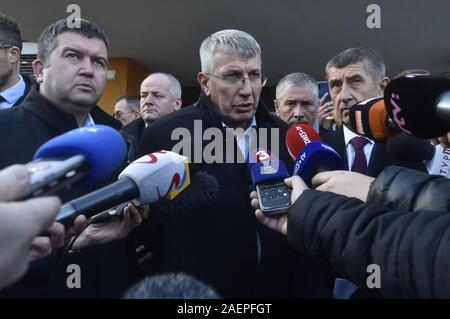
(303, 135)
(400, 121)
(175, 182)
(263, 156)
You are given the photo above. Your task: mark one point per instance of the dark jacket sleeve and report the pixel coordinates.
(347, 235)
(409, 190)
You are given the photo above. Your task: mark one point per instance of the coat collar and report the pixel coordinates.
(58, 119)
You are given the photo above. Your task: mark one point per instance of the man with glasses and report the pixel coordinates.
(13, 86)
(126, 109)
(219, 241)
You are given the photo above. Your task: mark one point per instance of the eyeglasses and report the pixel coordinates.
(119, 115)
(256, 80)
(5, 46)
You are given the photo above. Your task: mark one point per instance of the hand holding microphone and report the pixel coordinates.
(268, 176)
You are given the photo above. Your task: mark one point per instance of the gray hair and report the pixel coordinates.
(372, 60)
(233, 42)
(297, 79)
(47, 39)
(175, 86)
(170, 286)
(132, 101)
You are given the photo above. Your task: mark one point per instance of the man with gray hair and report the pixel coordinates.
(297, 100)
(222, 244)
(160, 94)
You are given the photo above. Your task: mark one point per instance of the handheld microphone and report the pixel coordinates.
(147, 180)
(419, 104)
(84, 155)
(370, 119)
(202, 191)
(298, 136)
(313, 156)
(409, 148)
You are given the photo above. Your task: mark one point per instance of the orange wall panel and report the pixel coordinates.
(129, 76)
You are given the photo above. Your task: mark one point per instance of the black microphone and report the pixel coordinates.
(419, 104)
(409, 148)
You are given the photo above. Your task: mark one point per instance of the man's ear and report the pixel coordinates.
(203, 81)
(38, 70)
(178, 103)
(383, 83)
(14, 55)
(275, 103)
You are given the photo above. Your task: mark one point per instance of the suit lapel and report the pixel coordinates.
(378, 160)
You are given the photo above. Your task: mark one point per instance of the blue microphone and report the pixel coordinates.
(311, 155)
(84, 155)
(314, 158)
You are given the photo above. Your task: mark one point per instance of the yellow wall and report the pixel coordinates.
(129, 76)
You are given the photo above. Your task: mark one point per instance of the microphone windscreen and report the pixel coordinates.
(368, 118)
(159, 175)
(316, 157)
(102, 146)
(411, 102)
(409, 148)
(202, 191)
(298, 136)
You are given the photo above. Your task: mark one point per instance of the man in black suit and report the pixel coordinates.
(355, 75)
(160, 95)
(297, 100)
(71, 73)
(222, 244)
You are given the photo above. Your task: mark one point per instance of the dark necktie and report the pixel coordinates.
(2, 99)
(360, 162)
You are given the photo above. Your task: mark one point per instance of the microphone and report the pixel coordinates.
(147, 180)
(313, 156)
(84, 155)
(413, 149)
(370, 119)
(419, 104)
(409, 148)
(298, 136)
(204, 188)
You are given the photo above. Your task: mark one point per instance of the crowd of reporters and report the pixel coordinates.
(391, 216)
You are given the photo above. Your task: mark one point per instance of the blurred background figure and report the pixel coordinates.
(170, 286)
(126, 109)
